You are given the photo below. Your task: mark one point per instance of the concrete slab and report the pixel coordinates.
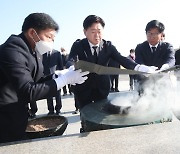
(156, 138)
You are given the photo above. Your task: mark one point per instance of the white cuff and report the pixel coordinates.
(137, 67)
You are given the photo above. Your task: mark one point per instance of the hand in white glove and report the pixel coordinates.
(70, 76)
(164, 67)
(144, 68)
(60, 72)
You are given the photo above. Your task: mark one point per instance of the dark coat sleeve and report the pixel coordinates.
(115, 55)
(19, 69)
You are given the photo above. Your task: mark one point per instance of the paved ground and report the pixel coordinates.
(68, 108)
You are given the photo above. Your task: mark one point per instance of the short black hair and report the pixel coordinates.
(155, 24)
(91, 19)
(39, 21)
(132, 51)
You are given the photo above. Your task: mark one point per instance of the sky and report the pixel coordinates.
(125, 20)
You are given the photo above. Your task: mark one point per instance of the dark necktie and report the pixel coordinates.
(48, 57)
(153, 49)
(95, 54)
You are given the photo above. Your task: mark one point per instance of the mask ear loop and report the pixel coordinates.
(36, 35)
(33, 40)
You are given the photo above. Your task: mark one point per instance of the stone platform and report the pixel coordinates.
(149, 139)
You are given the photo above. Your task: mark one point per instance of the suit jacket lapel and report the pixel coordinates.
(87, 50)
(39, 70)
(102, 50)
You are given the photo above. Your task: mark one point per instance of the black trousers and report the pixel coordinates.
(114, 79)
(65, 90)
(58, 103)
(33, 107)
(13, 122)
(131, 80)
(76, 102)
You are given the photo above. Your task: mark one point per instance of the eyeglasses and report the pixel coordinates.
(149, 34)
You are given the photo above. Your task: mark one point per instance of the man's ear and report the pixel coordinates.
(30, 33)
(84, 32)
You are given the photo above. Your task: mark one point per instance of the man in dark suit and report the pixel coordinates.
(154, 52)
(114, 78)
(64, 59)
(177, 62)
(177, 57)
(95, 49)
(52, 61)
(21, 74)
(131, 77)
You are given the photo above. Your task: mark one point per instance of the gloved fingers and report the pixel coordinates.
(78, 71)
(71, 68)
(85, 78)
(57, 72)
(82, 80)
(84, 73)
(164, 67)
(154, 68)
(61, 72)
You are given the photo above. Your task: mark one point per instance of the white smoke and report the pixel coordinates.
(160, 98)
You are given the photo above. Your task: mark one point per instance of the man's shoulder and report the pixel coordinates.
(78, 41)
(106, 42)
(14, 39)
(143, 44)
(56, 51)
(165, 44)
(84, 40)
(17, 41)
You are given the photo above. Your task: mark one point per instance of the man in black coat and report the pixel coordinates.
(95, 49)
(131, 77)
(21, 74)
(52, 61)
(114, 78)
(64, 59)
(154, 52)
(177, 57)
(163, 55)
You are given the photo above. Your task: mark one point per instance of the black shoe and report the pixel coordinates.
(131, 88)
(116, 90)
(32, 116)
(76, 111)
(64, 94)
(50, 113)
(82, 130)
(58, 112)
(112, 90)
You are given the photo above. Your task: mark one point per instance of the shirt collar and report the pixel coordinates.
(92, 45)
(153, 45)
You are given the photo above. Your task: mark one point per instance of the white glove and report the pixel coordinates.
(60, 72)
(70, 76)
(144, 68)
(164, 67)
